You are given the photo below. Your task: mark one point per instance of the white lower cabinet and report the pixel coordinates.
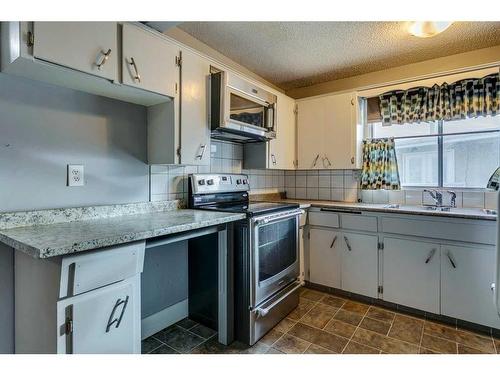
(106, 320)
(359, 263)
(325, 257)
(467, 274)
(411, 273)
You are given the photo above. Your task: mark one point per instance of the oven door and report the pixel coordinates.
(275, 253)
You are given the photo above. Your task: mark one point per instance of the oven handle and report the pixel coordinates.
(272, 218)
(263, 311)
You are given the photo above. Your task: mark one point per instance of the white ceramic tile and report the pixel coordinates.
(324, 181)
(236, 166)
(367, 196)
(176, 184)
(300, 193)
(312, 193)
(290, 192)
(380, 196)
(159, 197)
(290, 173)
(261, 181)
(491, 200)
(281, 180)
(337, 182)
(216, 149)
(227, 165)
(337, 195)
(324, 194)
(227, 150)
(350, 181)
(351, 195)
(312, 181)
(300, 172)
(337, 172)
(269, 181)
(159, 168)
(204, 169)
(473, 199)
(312, 172)
(413, 197)
(216, 165)
(396, 197)
(176, 170)
(300, 181)
(237, 151)
(159, 183)
(289, 181)
(276, 181)
(325, 172)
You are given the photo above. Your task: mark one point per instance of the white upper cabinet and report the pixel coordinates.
(329, 132)
(90, 47)
(195, 132)
(311, 120)
(149, 61)
(282, 150)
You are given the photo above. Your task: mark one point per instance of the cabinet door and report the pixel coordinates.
(340, 129)
(105, 320)
(411, 273)
(282, 150)
(310, 132)
(90, 47)
(195, 133)
(325, 257)
(360, 263)
(467, 274)
(149, 61)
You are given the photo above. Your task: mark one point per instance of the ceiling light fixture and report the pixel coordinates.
(426, 29)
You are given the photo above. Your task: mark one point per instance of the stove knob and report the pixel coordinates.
(245, 181)
(201, 182)
(238, 182)
(210, 182)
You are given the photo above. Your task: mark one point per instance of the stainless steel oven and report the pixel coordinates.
(239, 110)
(275, 253)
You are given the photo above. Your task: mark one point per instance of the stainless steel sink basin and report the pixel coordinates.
(436, 208)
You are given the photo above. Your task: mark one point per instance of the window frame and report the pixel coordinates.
(440, 153)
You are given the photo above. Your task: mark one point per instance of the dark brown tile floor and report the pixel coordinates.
(327, 324)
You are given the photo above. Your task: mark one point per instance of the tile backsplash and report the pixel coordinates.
(171, 182)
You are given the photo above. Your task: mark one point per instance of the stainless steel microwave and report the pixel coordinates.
(241, 111)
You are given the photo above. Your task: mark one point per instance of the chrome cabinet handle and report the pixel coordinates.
(273, 158)
(328, 160)
(112, 321)
(347, 243)
(333, 242)
(137, 76)
(315, 160)
(429, 257)
(104, 58)
(202, 149)
(451, 259)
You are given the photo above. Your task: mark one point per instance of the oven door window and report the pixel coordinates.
(277, 247)
(247, 111)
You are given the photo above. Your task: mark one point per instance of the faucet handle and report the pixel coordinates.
(453, 200)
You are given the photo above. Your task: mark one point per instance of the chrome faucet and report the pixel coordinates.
(453, 199)
(436, 195)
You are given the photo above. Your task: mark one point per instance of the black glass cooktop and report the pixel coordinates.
(251, 208)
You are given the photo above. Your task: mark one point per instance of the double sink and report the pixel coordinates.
(487, 211)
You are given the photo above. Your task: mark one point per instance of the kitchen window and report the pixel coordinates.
(452, 154)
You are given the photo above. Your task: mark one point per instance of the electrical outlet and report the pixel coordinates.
(75, 175)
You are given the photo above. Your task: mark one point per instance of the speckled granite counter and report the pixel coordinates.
(52, 236)
(464, 213)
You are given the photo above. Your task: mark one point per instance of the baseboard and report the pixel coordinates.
(164, 318)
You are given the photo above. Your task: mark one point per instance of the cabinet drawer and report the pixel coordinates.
(303, 219)
(81, 273)
(359, 222)
(466, 231)
(324, 219)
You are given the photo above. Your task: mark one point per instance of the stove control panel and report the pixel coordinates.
(208, 183)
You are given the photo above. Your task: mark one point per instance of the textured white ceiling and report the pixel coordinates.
(298, 54)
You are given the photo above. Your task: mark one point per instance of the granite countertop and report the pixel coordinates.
(464, 213)
(67, 237)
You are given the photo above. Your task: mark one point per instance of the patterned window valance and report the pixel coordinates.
(463, 99)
